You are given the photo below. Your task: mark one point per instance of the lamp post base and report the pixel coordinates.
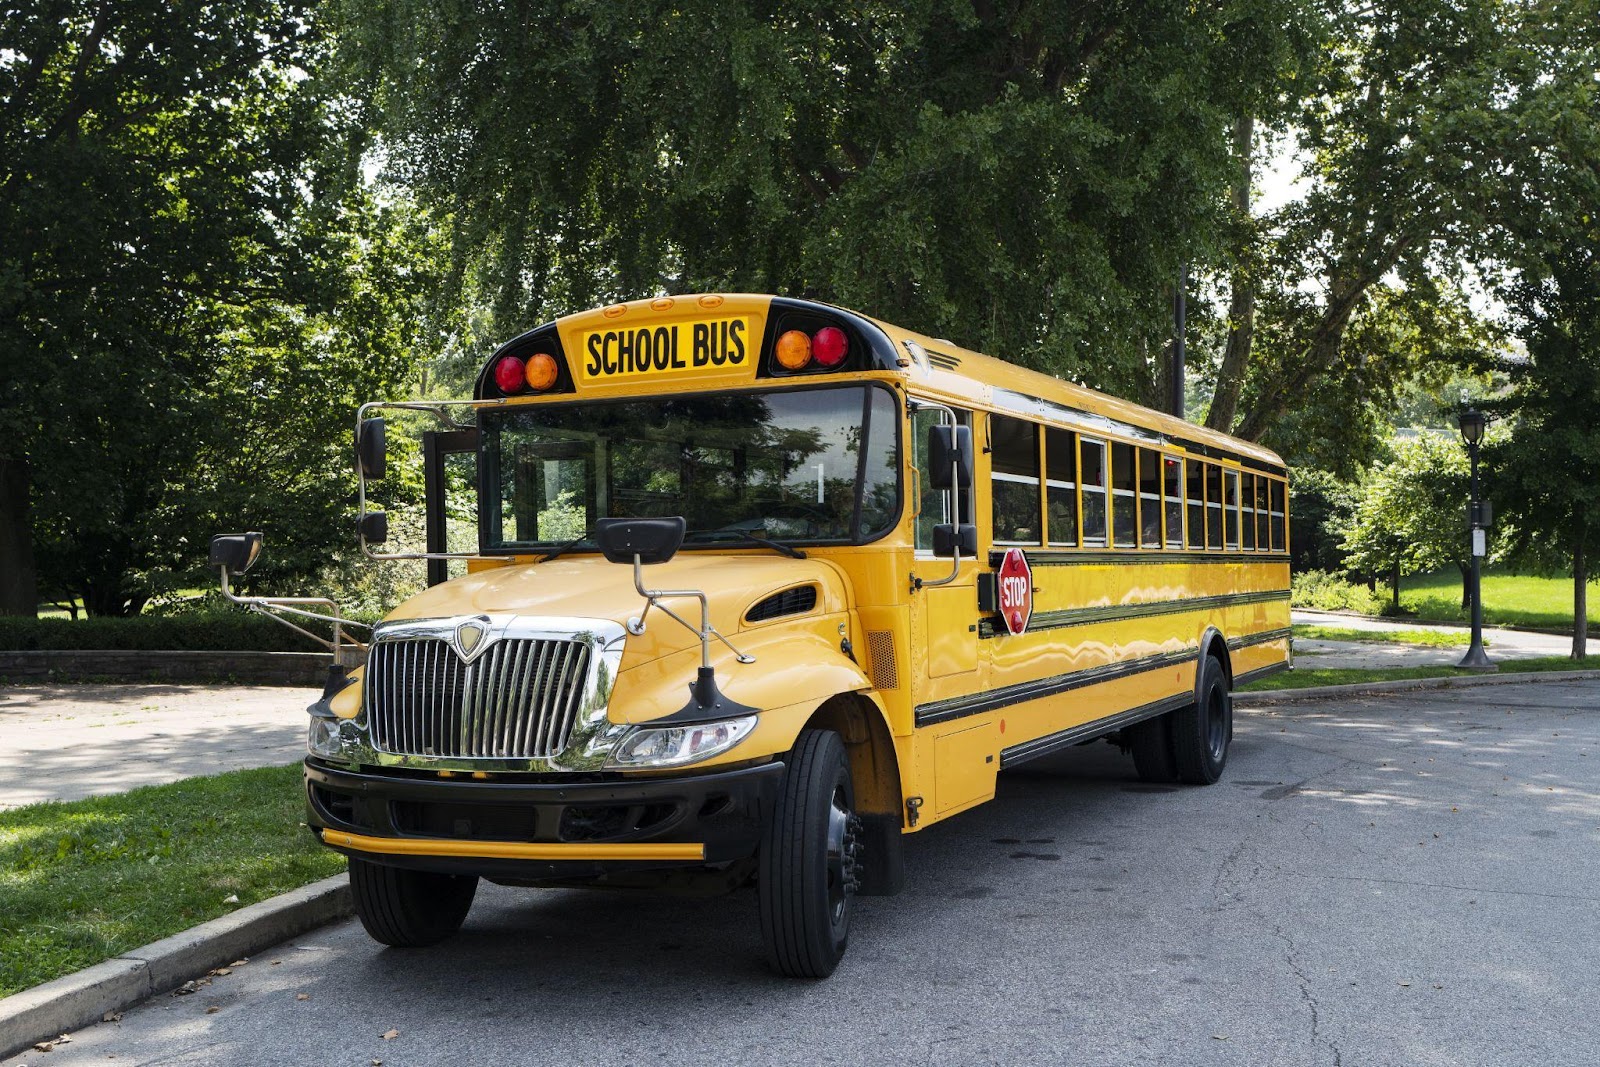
(1477, 659)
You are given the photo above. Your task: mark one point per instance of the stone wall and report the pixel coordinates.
(307, 669)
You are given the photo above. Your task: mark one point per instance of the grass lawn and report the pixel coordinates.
(1433, 638)
(1304, 678)
(1508, 599)
(83, 881)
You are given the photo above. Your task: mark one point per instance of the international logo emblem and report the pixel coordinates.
(469, 638)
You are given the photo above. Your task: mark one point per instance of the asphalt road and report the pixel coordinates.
(1409, 879)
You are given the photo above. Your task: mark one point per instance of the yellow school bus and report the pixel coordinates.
(765, 586)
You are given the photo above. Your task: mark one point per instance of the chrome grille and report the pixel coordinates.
(518, 700)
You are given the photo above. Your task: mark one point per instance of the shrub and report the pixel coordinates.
(1329, 592)
(231, 630)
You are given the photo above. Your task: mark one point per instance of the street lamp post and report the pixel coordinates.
(1472, 425)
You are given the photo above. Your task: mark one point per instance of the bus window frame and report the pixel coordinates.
(1057, 483)
(1104, 489)
(1037, 481)
(1167, 500)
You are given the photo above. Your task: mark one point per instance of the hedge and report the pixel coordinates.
(220, 631)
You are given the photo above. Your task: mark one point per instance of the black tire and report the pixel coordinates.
(1151, 744)
(809, 866)
(1202, 732)
(409, 909)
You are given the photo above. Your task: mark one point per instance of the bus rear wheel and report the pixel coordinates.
(810, 860)
(1202, 732)
(1150, 743)
(409, 909)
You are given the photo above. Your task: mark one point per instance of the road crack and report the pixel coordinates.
(1303, 980)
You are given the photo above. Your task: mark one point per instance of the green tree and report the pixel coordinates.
(193, 288)
(1425, 123)
(1547, 471)
(1022, 177)
(1411, 517)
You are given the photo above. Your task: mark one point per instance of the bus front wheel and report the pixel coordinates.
(810, 855)
(1202, 731)
(409, 909)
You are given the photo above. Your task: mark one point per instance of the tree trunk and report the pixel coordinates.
(1580, 603)
(1395, 581)
(1466, 585)
(19, 580)
(1242, 304)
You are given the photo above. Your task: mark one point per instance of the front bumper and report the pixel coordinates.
(544, 830)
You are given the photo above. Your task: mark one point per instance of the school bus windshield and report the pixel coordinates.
(798, 465)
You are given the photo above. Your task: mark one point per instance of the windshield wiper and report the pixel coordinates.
(776, 546)
(564, 547)
(745, 535)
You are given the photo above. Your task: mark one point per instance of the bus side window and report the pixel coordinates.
(1230, 503)
(1149, 499)
(1197, 504)
(931, 505)
(1280, 521)
(1014, 481)
(1174, 500)
(1248, 497)
(1061, 485)
(1124, 494)
(1263, 515)
(1213, 507)
(1094, 491)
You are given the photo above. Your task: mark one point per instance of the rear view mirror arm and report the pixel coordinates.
(705, 631)
(272, 606)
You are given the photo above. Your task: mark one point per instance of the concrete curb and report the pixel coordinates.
(1318, 692)
(76, 1000)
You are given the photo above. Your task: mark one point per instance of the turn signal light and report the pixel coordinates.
(510, 374)
(541, 372)
(793, 350)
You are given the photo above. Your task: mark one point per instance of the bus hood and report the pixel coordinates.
(588, 587)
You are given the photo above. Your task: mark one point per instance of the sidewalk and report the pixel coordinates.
(1505, 645)
(64, 742)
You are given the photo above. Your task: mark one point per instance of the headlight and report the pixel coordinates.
(333, 739)
(672, 746)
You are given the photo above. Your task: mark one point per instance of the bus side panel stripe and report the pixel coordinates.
(1022, 692)
(1074, 735)
(1055, 620)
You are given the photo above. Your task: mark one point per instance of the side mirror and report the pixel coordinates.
(652, 540)
(949, 451)
(947, 537)
(371, 442)
(235, 551)
(374, 527)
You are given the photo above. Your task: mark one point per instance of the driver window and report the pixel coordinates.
(931, 503)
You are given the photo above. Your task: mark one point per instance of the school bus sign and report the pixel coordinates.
(1015, 582)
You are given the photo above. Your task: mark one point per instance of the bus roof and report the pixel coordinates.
(937, 364)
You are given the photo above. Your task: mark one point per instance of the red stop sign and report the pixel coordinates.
(1014, 581)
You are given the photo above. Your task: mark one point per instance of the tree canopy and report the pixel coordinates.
(185, 265)
(1024, 178)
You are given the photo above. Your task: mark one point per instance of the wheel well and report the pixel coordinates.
(874, 767)
(1213, 644)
